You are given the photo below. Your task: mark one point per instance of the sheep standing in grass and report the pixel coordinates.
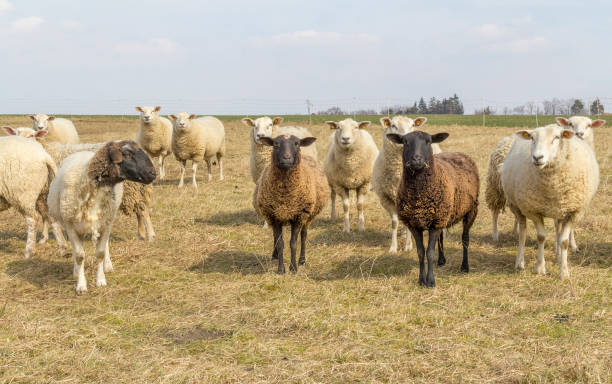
(494, 194)
(435, 192)
(349, 164)
(60, 130)
(196, 140)
(86, 193)
(582, 126)
(549, 173)
(388, 171)
(292, 190)
(25, 173)
(155, 136)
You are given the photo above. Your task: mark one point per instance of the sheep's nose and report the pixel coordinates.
(260, 135)
(286, 156)
(346, 139)
(417, 158)
(580, 134)
(538, 158)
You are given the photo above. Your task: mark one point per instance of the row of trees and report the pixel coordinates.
(550, 107)
(451, 105)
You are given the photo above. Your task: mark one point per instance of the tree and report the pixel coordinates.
(530, 106)
(332, 111)
(422, 107)
(594, 107)
(577, 107)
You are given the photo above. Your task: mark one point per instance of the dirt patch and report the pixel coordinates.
(193, 334)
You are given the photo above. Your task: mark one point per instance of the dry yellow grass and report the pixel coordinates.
(203, 304)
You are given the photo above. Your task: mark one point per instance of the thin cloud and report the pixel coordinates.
(527, 45)
(313, 37)
(161, 45)
(5, 6)
(70, 24)
(26, 24)
(491, 31)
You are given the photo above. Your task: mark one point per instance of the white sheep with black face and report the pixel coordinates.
(582, 126)
(155, 136)
(60, 130)
(549, 172)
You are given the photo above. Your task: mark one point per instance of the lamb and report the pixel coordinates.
(86, 193)
(349, 164)
(494, 194)
(196, 140)
(136, 196)
(292, 190)
(388, 171)
(26, 173)
(60, 130)
(582, 126)
(267, 127)
(155, 136)
(549, 173)
(435, 192)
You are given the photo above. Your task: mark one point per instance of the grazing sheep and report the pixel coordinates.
(582, 126)
(155, 136)
(388, 171)
(349, 164)
(196, 140)
(26, 171)
(494, 194)
(136, 196)
(86, 193)
(292, 190)
(435, 192)
(549, 173)
(60, 130)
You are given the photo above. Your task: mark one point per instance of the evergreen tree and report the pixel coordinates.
(422, 107)
(578, 107)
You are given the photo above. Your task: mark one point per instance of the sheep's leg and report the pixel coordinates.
(183, 165)
(295, 231)
(540, 267)
(78, 255)
(345, 208)
(557, 232)
(160, 161)
(209, 168)
(303, 237)
(522, 229)
(431, 250)
(361, 192)
(265, 225)
(194, 168)
(468, 221)
(441, 258)
(495, 234)
(59, 236)
(332, 197)
(407, 239)
(220, 162)
(573, 241)
(45, 231)
(31, 238)
(108, 264)
(515, 229)
(394, 225)
(141, 226)
(566, 229)
(278, 246)
(101, 255)
(418, 239)
(148, 225)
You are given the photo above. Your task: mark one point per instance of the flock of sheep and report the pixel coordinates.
(55, 181)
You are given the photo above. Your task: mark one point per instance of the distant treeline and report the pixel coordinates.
(445, 106)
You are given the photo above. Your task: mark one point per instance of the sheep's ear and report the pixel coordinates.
(32, 117)
(192, 116)
(115, 155)
(332, 124)
(40, 134)
(277, 120)
(307, 141)
(598, 123)
(139, 109)
(385, 122)
(562, 121)
(173, 117)
(394, 137)
(523, 134)
(364, 124)
(9, 131)
(567, 134)
(266, 141)
(439, 137)
(248, 122)
(51, 118)
(419, 121)
(157, 108)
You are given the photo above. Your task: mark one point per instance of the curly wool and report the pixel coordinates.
(494, 194)
(351, 167)
(155, 137)
(202, 140)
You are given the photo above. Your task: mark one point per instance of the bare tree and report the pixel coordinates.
(530, 106)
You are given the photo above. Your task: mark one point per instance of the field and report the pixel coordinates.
(203, 303)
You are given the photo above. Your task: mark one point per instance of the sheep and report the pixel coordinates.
(26, 173)
(60, 130)
(155, 136)
(494, 194)
(549, 173)
(86, 193)
(349, 164)
(435, 192)
(267, 127)
(582, 126)
(388, 171)
(292, 190)
(196, 140)
(136, 196)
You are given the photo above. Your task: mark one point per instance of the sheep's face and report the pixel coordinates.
(25, 132)
(347, 131)
(286, 150)
(546, 143)
(182, 121)
(133, 162)
(401, 125)
(262, 127)
(417, 154)
(580, 125)
(41, 121)
(148, 114)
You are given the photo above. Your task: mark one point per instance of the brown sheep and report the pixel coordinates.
(292, 190)
(436, 192)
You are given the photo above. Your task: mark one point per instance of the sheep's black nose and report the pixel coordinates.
(537, 159)
(417, 158)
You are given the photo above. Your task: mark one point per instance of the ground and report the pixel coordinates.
(203, 303)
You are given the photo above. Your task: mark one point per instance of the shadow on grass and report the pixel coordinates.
(233, 262)
(365, 267)
(369, 237)
(40, 271)
(234, 218)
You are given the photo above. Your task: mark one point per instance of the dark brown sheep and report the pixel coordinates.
(292, 190)
(436, 192)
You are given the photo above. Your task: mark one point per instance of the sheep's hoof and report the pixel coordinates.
(393, 249)
(293, 268)
(81, 289)
(519, 265)
(108, 267)
(301, 261)
(43, 240)
(281, 271)
(465, 268)
(564, 273)
(540, 269)
(442, 261)
(346, 229)
(221, 178)
(101, 283)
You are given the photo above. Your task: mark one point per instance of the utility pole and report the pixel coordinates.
(308, 105)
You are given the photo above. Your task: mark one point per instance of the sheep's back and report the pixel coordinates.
(62, 131)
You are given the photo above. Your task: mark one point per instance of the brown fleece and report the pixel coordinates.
(441, 195)
(136, 197)
(296, 195)
(101, 167)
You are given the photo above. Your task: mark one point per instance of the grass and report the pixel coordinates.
(202, 303)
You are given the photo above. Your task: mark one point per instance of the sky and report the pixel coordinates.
(269, 57)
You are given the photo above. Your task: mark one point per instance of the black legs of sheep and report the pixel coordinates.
(434, 236)
(468, 220)
(277, 253)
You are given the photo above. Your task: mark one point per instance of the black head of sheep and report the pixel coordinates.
(286, 149)
(417, 153)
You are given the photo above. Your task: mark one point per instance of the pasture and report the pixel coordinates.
(203, 303)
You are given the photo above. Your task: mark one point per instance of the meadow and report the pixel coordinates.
(203, 304)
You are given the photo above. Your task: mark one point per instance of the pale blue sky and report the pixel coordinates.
(241, 57)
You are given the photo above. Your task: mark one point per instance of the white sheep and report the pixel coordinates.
(26, 171)
(196, 140)
(549, 173)
(388, 170)
(86, 193)
(494, 194)
(349, 164)
(60, 130)
(583, 126)
(155, 136)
